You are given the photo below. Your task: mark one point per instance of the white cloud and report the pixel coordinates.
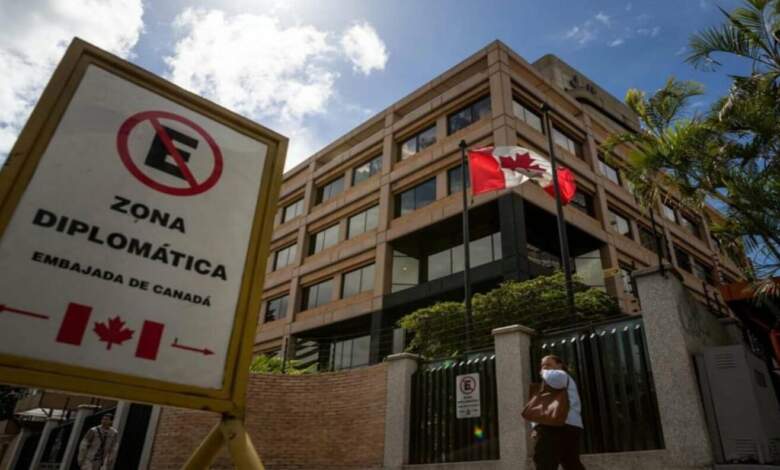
(601, 17)
(681, 51)
(364, 48)
(33, 37)
(582, 34)
(616, 42)
(652, 32)
(279, 75)
(703, 4)
(629, 7)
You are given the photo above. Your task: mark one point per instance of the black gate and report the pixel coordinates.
(437, 435)
(610, 364)
(133, 437)
(28, 451)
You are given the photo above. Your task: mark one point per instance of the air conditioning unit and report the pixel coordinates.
(742, 409)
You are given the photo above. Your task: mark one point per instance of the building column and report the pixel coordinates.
(51, 423)
(398, 414)
(514, 244)
(513, 378)
(375, 353)
(676, 330)
(71, 449)
(13, 453)
(151, 432)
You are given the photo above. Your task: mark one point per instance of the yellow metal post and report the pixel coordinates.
(242, 451)
(207, 451)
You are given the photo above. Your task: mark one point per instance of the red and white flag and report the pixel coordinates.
(495, 168)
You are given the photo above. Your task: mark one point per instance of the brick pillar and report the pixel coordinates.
(51, 423)
(400, 368)
(71, 449)
(513, 377)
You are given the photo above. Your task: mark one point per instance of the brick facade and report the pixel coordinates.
(324, 421)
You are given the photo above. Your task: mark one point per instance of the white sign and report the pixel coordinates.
(467, 402)
(127, 249)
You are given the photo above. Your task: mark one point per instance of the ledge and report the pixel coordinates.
(514, 329)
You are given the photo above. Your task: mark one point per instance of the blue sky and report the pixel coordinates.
(313, 70)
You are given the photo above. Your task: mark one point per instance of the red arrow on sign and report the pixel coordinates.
(6, 308)
(204, 351)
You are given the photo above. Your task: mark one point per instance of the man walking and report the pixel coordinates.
(98, 447)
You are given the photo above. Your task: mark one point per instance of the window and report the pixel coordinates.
(367, 170)
(455, 181)
(317, 294)
(612, 173)
(668, 212)
(589, 268)
(543, 258)
(292, 211)
(418, 142)
(583, 201)
(647, 240)
(329, 190)
(285, 256)
(468, 115)
(703, 271)
(415, 198)
(690, 225)
(451, 260)
(683, 259)
(619, 223)
(625, 274)
(525, 114)
(276, 309)
(357, 281)
(350, 353)
(362, 222)
(406, 271)
(571, 145)
(324, 239)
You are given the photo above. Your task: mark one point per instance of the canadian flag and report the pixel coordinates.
(495, 168)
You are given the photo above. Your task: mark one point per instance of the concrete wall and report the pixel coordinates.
(313, 422)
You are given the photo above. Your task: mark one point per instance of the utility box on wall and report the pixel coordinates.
(742, 409)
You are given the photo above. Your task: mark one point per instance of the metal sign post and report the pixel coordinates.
(133, 238)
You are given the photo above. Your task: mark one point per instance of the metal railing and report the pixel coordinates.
(437, 435)
(612, 369)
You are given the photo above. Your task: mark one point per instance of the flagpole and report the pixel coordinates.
(466, 240)
(562, 237)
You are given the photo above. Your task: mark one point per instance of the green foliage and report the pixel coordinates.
(265, 364)
(539, 303)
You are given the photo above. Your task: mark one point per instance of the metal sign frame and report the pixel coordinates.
(15, 176)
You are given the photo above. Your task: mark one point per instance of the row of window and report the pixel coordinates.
(353, 282)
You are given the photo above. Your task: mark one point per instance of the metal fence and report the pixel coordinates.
(437, 435)
(611, 366)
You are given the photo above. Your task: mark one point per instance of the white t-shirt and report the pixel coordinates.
(558, 379)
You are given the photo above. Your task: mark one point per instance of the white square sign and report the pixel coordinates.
(126, 251)
(467, 400)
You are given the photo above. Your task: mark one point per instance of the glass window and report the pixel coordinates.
(683, 259)
(690, 225)
(357, 281)
(317, 294)
(329, 190)
(415, 198)
(285, 256)
(647, 240)
(569, 144)
(468, 115)
(454, 181)
(363, 222)
(589, 268)
(324, 239)
(406, 271)
(543, 258)
(451, 260)
(668, 212)
(350, 353)
(292, 211)
(619, 223)
(703, 271)
(367, 170)
(276, 309)
(418, 142)
(625, 274)
(525, 114)
(609, 171)
(583, 201)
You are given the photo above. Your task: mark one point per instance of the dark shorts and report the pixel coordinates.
(557, 445)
